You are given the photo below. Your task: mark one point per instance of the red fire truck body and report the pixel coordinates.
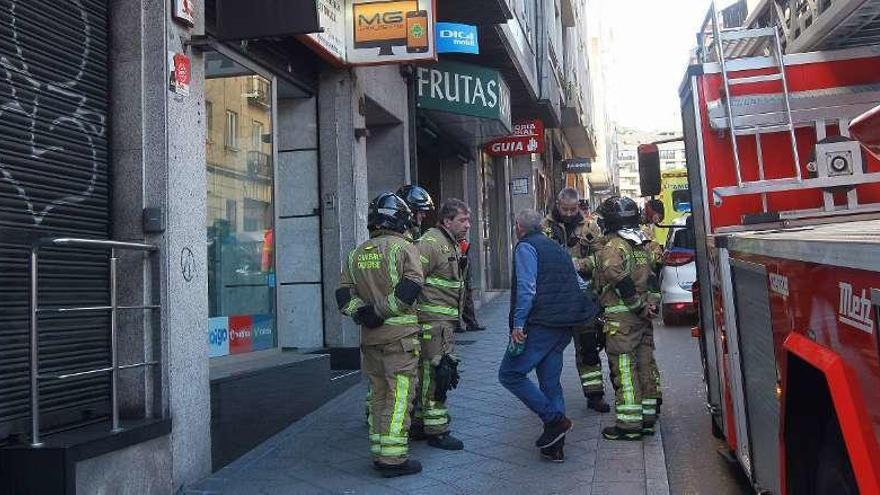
(788, 263)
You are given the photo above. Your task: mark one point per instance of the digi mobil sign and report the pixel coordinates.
(457, 38)
(240, 334)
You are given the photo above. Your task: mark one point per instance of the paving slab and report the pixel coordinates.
(327, 452)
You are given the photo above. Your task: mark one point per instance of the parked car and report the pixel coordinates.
(679, 273)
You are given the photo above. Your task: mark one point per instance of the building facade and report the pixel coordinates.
(232, 164)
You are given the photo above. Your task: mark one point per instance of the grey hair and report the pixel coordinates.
(529, 221)
(569, 194)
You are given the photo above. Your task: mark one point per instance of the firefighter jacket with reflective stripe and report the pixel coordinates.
(616, 261)
(582, 241)
(372, 273)
(444, 280)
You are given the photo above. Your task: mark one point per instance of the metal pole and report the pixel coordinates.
(719, 45)
(114, 357)
(35, 358)
(780, 57)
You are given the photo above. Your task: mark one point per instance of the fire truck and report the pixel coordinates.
(782, 125)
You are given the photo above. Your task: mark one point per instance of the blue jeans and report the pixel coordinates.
(543, 353)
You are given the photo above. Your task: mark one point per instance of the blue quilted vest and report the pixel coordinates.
(559, 301)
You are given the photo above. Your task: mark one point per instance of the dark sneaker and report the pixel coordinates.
(476, 327)
(555, 453)
(445, 442)
(598, 404)
(417, 433)
(615, 433)
(554, 432)
(394, 470)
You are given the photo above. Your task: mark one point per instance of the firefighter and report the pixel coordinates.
(623, 274)
(582, 238)
(439, 308)
(420, 203)
(652, 215)
(378, 288)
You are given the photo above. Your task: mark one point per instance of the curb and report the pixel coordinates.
(656, 473)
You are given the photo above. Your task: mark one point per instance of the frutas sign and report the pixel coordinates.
(464, 89)
(527, 138)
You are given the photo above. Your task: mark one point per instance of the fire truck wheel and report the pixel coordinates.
(834, 475)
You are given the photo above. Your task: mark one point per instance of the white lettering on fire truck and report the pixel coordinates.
(779, 284)
(855, 309)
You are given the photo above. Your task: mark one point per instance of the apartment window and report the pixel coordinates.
(231, 130)
(256, 135)
(209, 122)
(667, 154)
(232, 214)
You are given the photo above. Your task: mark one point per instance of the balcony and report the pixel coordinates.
(259, 165)
(576, 124)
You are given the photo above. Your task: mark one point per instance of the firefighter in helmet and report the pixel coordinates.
(378, 289)
(439, 309)
(581, 236)
(624, 274)
(420, 203)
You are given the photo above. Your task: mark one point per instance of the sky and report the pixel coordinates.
(651, 45)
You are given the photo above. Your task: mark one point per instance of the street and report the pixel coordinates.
(327, 451)
(694, 465)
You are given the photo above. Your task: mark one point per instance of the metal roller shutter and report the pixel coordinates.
(54, 154)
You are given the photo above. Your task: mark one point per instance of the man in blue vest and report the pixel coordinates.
(546, 304)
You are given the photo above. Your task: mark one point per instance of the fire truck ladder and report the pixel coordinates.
(739, 36)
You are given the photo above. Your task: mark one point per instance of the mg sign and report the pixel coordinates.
(457, 38)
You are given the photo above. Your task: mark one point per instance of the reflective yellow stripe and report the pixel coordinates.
(351, 265)
(402, 320)
(440, 310)
(401, 402)
(392, 304)
(626, 379)
(424, 260)
(443, 282)
(435, 421)
(426, 382)
(393, 451)
(393, 276)
(393, 440)
(353, 306)
(617, 309)
(627, 418)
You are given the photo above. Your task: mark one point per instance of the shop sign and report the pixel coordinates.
(527, 138)
(218, 336)
(184, 12)
(578, 165)
(179, 69)
(464, 89)
(390, 31)
(331, 18)
(241, 334)
(262, 19)
(457, 38)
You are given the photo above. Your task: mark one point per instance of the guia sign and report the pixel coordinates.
(527, 138)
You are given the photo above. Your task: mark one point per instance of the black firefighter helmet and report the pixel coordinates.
(619, 212)
(416, 197)
(389, 212)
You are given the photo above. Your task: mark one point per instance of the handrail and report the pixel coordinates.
(113, 308)
(95, 243)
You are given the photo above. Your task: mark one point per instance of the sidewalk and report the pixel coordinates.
(328, 451)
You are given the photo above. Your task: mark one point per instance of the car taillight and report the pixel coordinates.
(677, 258)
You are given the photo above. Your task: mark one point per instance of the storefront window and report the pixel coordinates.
(240, 228)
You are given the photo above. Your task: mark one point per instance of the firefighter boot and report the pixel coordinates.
(405, 468)
(554, 453)
(417, 432)
(615, 433)
(445, 441)
(597, 403)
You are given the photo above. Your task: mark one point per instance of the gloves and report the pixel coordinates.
(366, 316)
(445, 377)
(648, 311)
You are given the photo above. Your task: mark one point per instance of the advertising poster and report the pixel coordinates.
(390, 31)
(179, 67)
(263, 332)
(218, 336)
(240, 334)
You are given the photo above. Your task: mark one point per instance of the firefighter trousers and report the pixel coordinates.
(589, 366)
(393, 373)
(624, 344)
(437, 340)
(649, 375)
